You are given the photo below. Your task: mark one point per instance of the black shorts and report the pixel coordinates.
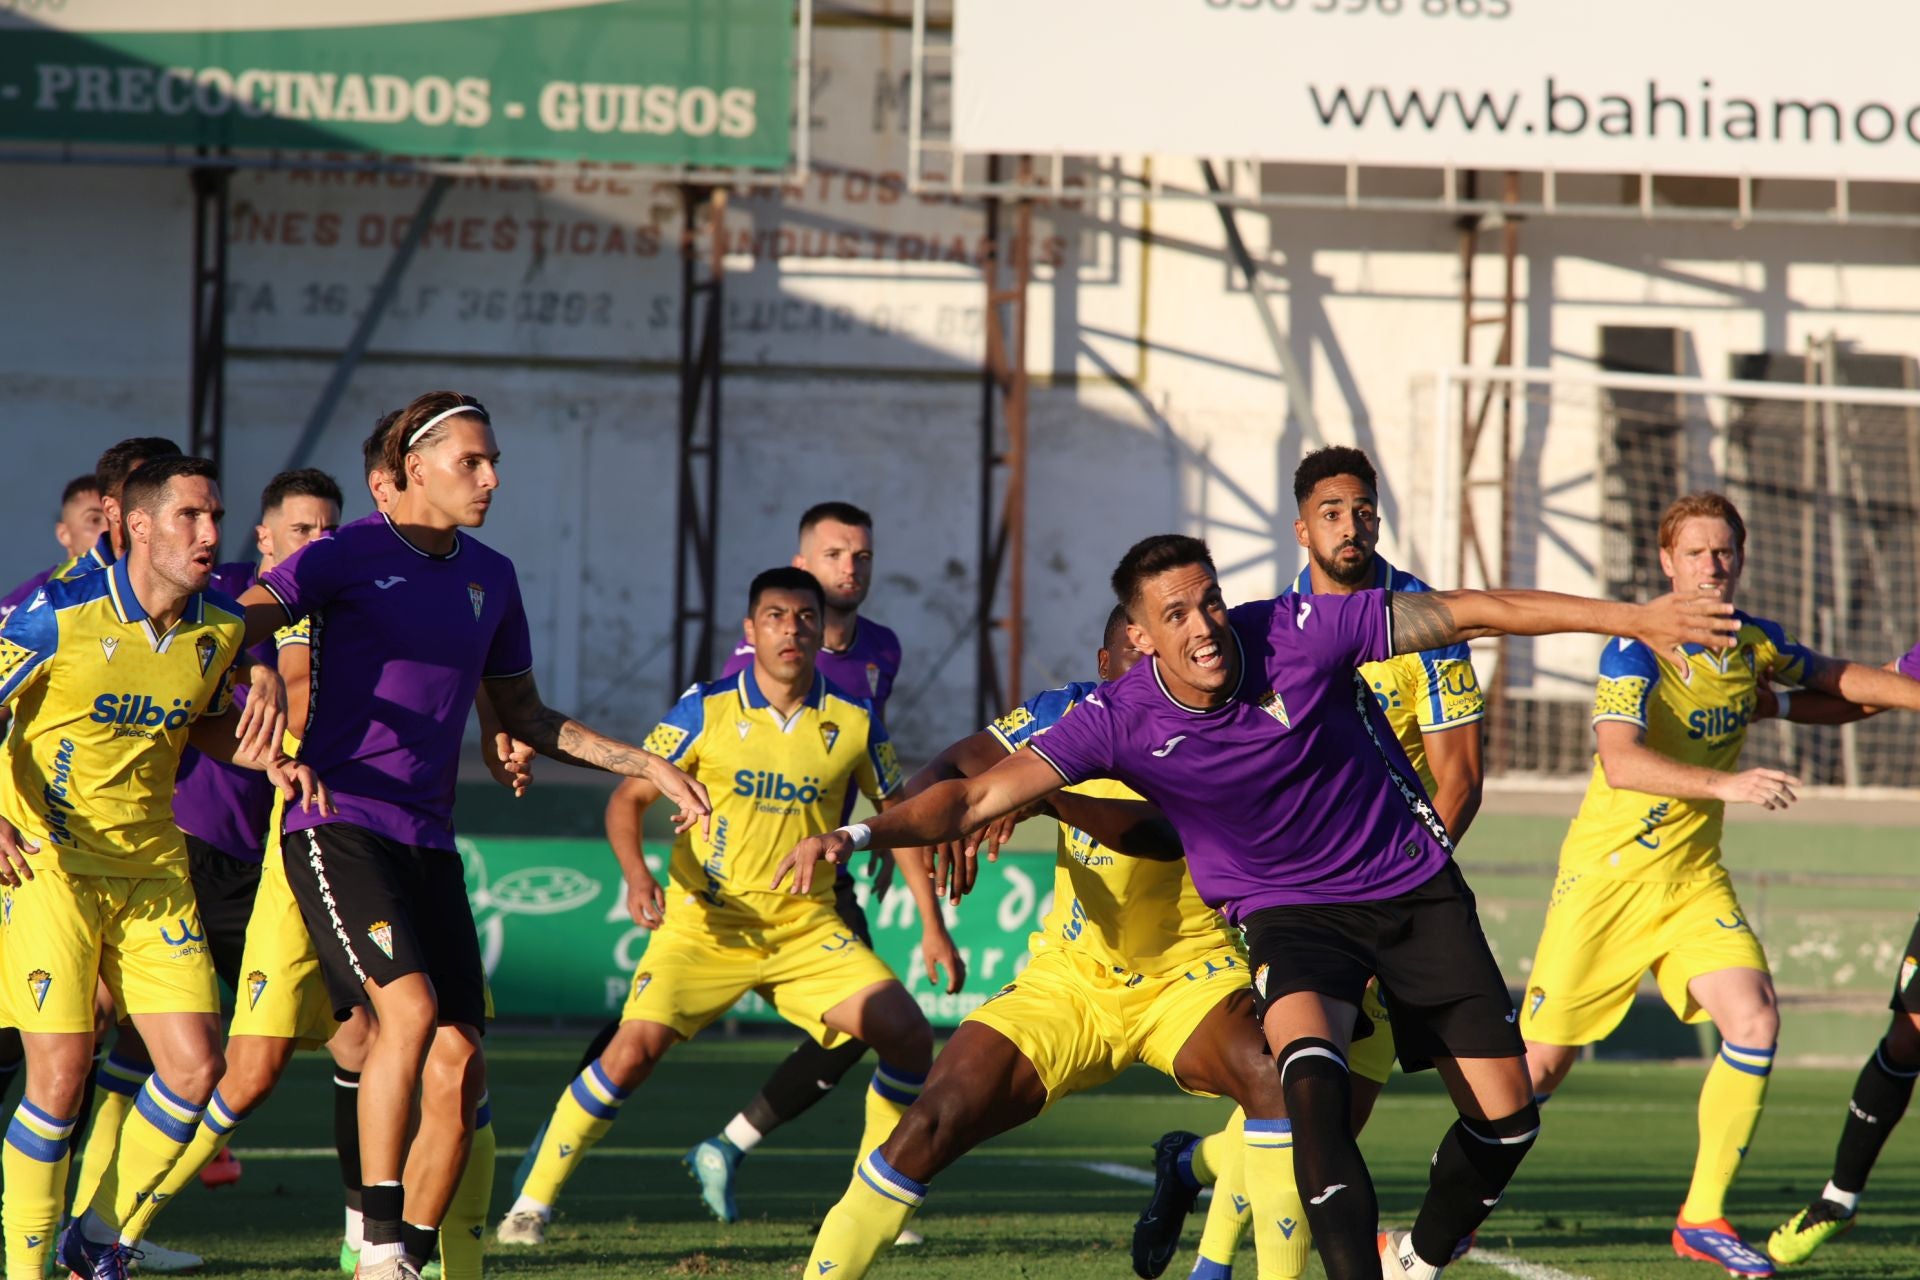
(847, 906)
(1437, 975)
(380, 910)
(1906, 992)
(225, 887)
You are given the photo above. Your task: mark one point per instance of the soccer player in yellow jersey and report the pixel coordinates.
(1433, 704)
(1641, 885)
(109, 676)
(777, 747)
(1129, 966)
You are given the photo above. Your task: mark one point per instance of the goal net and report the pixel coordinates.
(1558, 481)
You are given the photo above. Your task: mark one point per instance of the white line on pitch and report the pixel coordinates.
(1513, 1266)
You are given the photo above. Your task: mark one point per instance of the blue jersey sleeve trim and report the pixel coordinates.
(1628, 659)
(1038, 714)
(32, 636)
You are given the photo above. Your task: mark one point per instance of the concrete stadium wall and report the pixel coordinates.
(854, 329)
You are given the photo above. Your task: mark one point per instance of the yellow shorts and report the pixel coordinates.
(1372, 1058)
(282, 994)
(805, 966)
(141, 935)
(1602, 935)
(1081, 1023)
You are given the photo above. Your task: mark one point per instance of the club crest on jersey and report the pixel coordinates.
(1535, 998)
(108, 644)
(256, 986)
(1275, 706)
(829, 734)
(478, 595)
(640, 981)
(37, 983)
(1260, 981)
(204, 649)
(1907, 969)
(873, 679)
(382, 934)
(6, 909)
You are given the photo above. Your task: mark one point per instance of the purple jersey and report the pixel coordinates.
(1295, 790)
(1909, 665)
(223, 804)
(864, 669)
(401, 641)
(18, 596)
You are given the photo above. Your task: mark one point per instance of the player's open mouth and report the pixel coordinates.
(1207, 656)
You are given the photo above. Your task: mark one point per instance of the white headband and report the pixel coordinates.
(441, 417)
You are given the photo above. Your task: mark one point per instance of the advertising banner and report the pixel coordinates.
(558, 942)
(1713, 87)
(667, 82)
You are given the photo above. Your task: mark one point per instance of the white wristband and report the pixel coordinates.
(1782, 699)
(858, 832)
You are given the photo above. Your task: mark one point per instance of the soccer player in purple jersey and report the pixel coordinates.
(82, 520)
(1303, 822)
(409, 616)
(1885, 1085)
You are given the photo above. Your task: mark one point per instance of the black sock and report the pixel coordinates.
(1471, 1169)
(79, 1138)
(346, 1131)
(599, 1046)
(1333, 1178)
(419, 1242)
(1880, 1098)
(807, 1075)
(384, 1204)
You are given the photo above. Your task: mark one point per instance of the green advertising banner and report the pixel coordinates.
(558, 942)
(654, 82)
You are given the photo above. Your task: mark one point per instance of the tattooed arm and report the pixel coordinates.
(1433, 619)
(516, 700)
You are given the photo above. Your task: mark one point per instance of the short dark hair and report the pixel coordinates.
(143, 490)
(123, 459)
(1334, 460)
(303, 482)
(1116, 630)
(88, 483)
(838, 512)
(373, 450)
(784, 578)
(419, 411)
(1153, 556)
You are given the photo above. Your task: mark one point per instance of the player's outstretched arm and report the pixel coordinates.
(937, 949)
(212, 737)
(554, 733)
(1631, 765)
(1872, 689)
(1434, 619)
(943, 812)
(646, 901)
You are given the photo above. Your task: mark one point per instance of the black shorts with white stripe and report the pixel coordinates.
(379, 909)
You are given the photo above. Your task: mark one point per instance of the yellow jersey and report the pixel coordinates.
(1697, 715)
(102, 703)
(1420, 693)
(773, 783)
(1133, 915)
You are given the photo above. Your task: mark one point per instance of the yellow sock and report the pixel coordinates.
(1217, 1150)
(210, 1138)
(34, 1165)
(152, 1141)
(463, 1234)
(869, 1218)
(888, 1097)
(581, 1118)
(116, 1083)
(1220, 1159)
(1729, 1109)
(1279, 1219)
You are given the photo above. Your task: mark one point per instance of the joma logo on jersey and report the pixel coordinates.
(140, 709)
(1714, 722)
(767, 785)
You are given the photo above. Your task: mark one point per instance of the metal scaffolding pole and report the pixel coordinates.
(697, 525)
(1003, 450)
(207, 385)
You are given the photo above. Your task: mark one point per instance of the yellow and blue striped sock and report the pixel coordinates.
(153, 1139)
(581, 1118)
(210, 1138)
(893, 1090)
(115, 1085)
(463, 1234)
(1280, 1235)
(869, 1218)
(1730, 1104)
(34, 1166)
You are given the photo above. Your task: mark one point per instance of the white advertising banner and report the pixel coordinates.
(1718, 87)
